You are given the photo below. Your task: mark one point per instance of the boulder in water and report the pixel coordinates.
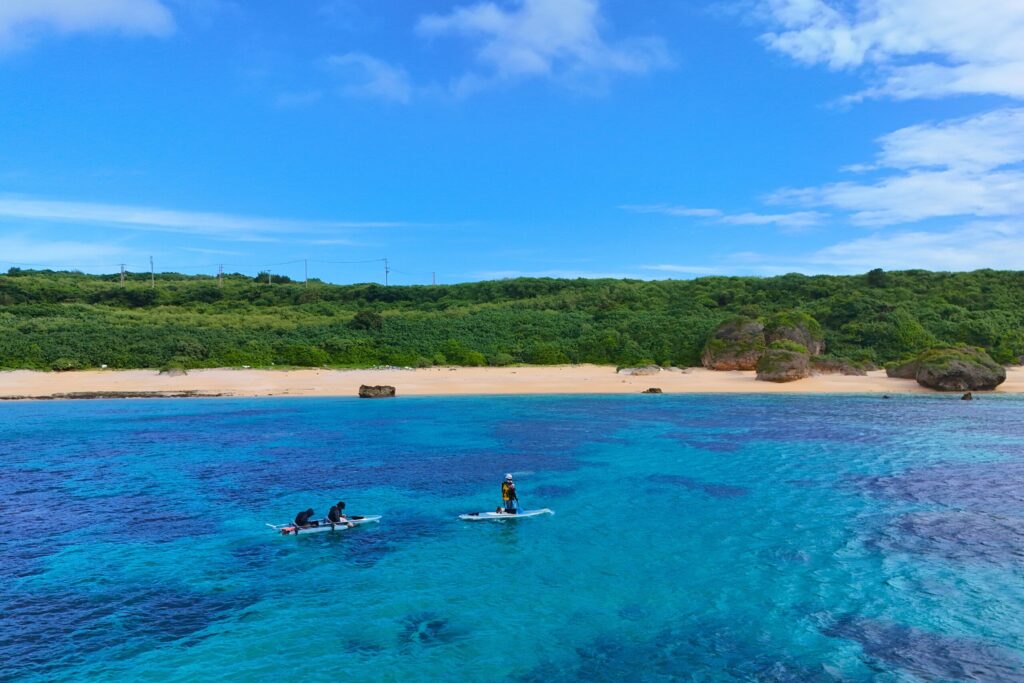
(967, 397)
(376, 391)
(652, 390)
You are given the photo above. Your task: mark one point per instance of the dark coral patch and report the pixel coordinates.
(711, 489)
(927, 655)
(988, 486)
(957, 535)
(428, 628)
(57, 630)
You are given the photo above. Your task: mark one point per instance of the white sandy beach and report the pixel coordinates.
(576, 379)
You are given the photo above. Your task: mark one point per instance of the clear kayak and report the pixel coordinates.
(286, 529)
(480, 516)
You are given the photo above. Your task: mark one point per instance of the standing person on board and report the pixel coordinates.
(509, 499)
(337, 515)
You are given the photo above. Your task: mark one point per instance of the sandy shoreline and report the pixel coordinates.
(577, 379)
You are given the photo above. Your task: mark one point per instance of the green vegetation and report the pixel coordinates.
(59, 320)
(787, 345)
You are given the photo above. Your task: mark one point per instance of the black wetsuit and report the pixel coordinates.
(302, 519)
(335, 515)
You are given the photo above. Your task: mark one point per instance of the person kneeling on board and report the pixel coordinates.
(508, 495)
(302, 520)
(337, 515)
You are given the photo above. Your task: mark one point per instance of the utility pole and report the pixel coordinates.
(220, 275)
(386, 272)
(305, 272)
(152, 276)
(268, 276)
(122, 275)
(433, 278)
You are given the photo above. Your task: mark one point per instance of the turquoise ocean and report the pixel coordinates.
(703, 538)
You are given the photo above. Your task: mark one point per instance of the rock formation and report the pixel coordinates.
(735, 345)
(783, 365)
(796, 327)
(962, 368)
(904, 369)
(836, 366)
(377, 391)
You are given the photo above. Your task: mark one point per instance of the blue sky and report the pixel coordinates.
(481, 140)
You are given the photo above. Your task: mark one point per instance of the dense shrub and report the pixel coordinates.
(49, 317)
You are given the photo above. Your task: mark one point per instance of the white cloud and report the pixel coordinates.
(964, 167)
(672, 210)
(791, 221)
(968, 247)
(920, 48)
(27, 251)
(558, 39)
(977, 245)
(975, 143)
(215, 225)
(682, 269)
(367, 76)
(21, 21)
(794, 221)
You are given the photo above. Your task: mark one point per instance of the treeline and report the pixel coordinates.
(62, 320)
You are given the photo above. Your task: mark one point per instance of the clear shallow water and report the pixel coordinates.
(707, 538)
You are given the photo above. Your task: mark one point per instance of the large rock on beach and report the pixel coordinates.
(641, 371)
(736, 344)
(836, 366)
(783, 365)
(376, 391)
(904, 369)
(796, 327)
(962, 368)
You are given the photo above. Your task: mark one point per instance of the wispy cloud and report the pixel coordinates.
(980, 244)
(556, 39)
(213, 225)
(24, 21)
(969, 247)
(553, 273)
(683, 269)
(672, 210)
(963, 167)
(913, 48)
(366, 76)
(23, 249)
(796, 220)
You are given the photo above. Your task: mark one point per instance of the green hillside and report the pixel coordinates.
(59, 320)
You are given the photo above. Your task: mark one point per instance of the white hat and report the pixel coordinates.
(508, 476)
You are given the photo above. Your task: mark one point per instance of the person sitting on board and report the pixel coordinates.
(508, 495)
(337, 515)
(302, 520)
